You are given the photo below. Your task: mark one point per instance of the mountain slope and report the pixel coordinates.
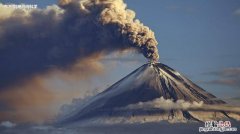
(147, 83)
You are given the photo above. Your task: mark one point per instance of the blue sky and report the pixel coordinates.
(195, 37)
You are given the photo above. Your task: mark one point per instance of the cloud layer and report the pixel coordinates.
(228, 76)
(237, 12)
(167, 104)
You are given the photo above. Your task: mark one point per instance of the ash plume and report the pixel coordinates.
(37, 41)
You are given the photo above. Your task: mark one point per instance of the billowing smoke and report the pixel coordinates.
(40, 40)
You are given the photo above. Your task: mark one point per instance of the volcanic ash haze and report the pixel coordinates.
(39, 43)
(152, 92)
(36, 41)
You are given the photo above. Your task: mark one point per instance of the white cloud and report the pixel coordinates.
(237, 12)
(7, 124)
(229, 76)
(168, 104)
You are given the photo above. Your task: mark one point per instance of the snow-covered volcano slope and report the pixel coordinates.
(146, 84)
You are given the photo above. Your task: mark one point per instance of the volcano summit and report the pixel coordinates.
(153, 92)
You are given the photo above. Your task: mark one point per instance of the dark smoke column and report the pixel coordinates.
(121, 22)
(131, 30)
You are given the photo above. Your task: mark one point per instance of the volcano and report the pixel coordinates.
(146, 84)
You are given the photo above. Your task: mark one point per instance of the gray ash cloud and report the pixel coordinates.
(36, 41)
